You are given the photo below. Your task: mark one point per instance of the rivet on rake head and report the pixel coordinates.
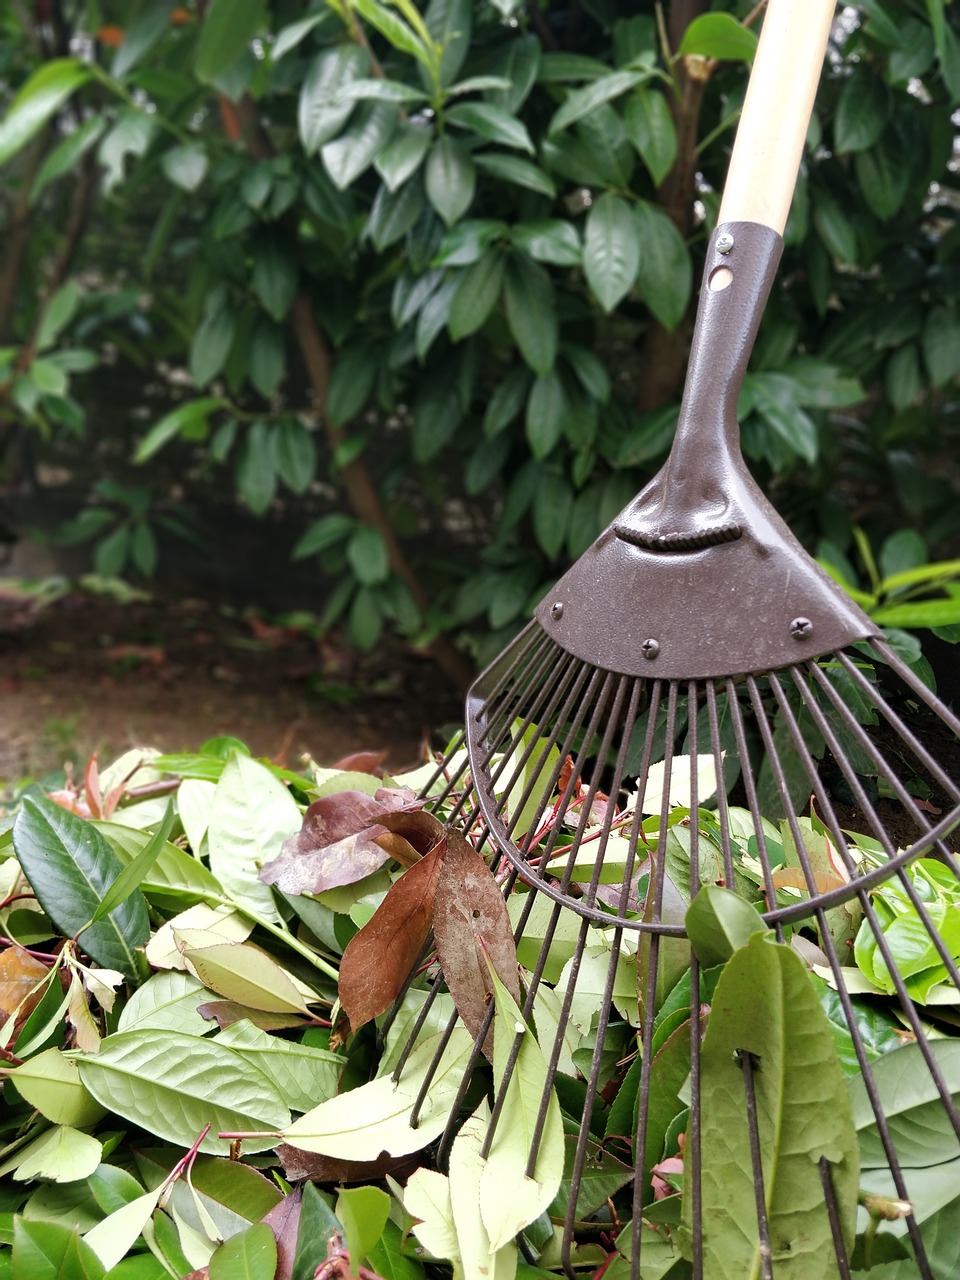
(724, 242)
(650, 648)
(800, 628)
(556, 611)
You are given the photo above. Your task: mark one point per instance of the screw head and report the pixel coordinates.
(801, 628)
(650, 648)
(724, 242)
(556, 611)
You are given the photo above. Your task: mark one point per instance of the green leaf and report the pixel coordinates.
(718, 922)
(251, 816)
(140, 35)
(394, 213)
(518, 62)
(376, 90)
(776, 401)
(225, 35)
(168, 1000)
(771, 1012)
(509, 1199)
(665, 278)
(303, 1075)
(317, 1223)
(611, 250)
(720, 36)
(135, 872)
(552, 505)
(249, 1255)
(66, 154)
(923, 613)
(531, 312)
(919, 1125)
(467, 242)
(399, 33)
(255, 474)
(547, 411)
(518, 172)
(367, 555)
(375, 1117)
(40, 98)
(111, 554)
(450, 23)
(174, 1085)
(70, 867)
(266, 357)
(187, 419)
(941, 345)
(884, 179)
(174, 876)
(363, 1212)
(834, 228)
(352, 153)
(351, 382)
(51, 1251)
(289, 37)
(903, 377)
(507, 400)
(390, 1259)
(275, 278)
(437, 413)
(582, 102)
(323, 534)
(211, 344)
(861, 115)
(450, 179)
(590, 371)
(116, 1235)
(549, 240)
(60, 1154)
(294, 454)
(400, 159)
(321, 112)
(51, 1083)
(476, 295)
(556, 68)
(186, 166)
(651, 129)
(57, 314)
(491, 123)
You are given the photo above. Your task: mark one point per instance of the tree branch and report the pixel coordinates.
(242, 122)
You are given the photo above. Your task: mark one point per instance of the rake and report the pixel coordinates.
(692, 685)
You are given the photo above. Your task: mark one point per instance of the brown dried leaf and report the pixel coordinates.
(20, 974)
(793, 878)
(411, 834)
(227, 1012)
(377, 960)
(362, 762)
(299, 1164)
(337, 843)
(284, 1221)
(472, 929)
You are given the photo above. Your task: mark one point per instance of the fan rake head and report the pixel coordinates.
(817, 792)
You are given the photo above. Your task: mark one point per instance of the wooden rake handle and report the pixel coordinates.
(776, 112)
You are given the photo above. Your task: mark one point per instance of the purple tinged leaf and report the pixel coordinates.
(342, 840)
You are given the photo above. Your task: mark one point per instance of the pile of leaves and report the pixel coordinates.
(227, 1049)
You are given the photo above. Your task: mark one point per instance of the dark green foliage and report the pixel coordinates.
(491, 213)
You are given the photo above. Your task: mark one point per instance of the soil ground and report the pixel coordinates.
(87, 673)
